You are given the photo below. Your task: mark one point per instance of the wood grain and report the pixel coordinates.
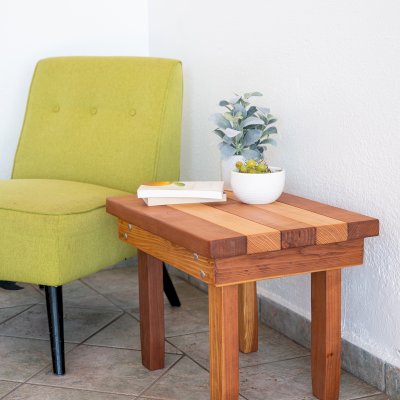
(224, 342)
(195, 234)
(260, 238)
(326, 333)
(328, 230)
(197, 266)
(248, 317)
(358, 225)
(287, 262)
(293, 233)
(151, 299)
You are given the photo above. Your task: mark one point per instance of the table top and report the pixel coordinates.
(217, 230)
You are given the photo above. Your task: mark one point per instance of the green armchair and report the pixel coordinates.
(94, 127)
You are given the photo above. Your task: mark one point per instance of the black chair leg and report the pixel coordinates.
(54, 304)
(169, 289)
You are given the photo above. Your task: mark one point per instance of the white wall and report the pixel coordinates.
(31, 30)
(330, 71)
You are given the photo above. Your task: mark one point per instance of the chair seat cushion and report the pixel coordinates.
(54, 231)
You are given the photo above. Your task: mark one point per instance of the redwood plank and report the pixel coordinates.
(287, 262)
(260, 238)
(224, 342)
(200, 267)
(248, 317)
(328, 230)
(195, 234)
(359, 226)
(151, 299)
(326, 333)
(293, 233)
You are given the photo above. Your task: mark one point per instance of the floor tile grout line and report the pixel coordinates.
(188, 356)
(275, 361)
(49, 364)
(125, 348)
(37, 289)
(72, 388)
(116, 318)
(48, 339)
(162, 375)
(75, 388)
(101, 294)
(21, 312)
(12, 390)
(105, 309)
(18, 305)
(240, 368)
(378, 392)
(186, 334)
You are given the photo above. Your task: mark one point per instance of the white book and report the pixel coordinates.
(161, 201)
(201, 189)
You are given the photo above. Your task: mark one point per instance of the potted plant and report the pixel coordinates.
(257, 183)
(245, 131)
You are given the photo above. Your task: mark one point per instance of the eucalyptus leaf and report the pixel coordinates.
(219, 133)
(231, 132)
(252, 121)
(271, 130)
(269, 141)
(226, 150)
(232, 118)
(251, 94)
(271, 121)
(240, 109)
(264, 110)
(220, 121)
(251, 111)
(264, 118)
(224, 103)
(251, 137)
(251, 154)
(227, 140)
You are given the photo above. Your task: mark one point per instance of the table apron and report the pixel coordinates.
(288, 262)
(245, 268)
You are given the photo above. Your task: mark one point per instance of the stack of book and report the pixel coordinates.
(161, 193)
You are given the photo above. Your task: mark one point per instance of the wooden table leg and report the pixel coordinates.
(151, 299)
(248, 317)
(224, 342)
(326, 333)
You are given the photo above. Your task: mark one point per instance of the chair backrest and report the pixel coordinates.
(110, 121)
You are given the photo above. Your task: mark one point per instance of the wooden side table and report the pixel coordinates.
(230, 246)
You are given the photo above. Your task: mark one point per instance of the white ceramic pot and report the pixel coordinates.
(227, 165)
(258, 188)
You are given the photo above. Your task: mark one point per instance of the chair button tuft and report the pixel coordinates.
(56, 108)
(132, 112)
(93, 111)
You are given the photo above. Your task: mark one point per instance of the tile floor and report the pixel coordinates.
(103, 358)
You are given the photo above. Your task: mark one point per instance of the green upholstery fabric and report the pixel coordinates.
(94, 127)
(111, 121)
(53, 232)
